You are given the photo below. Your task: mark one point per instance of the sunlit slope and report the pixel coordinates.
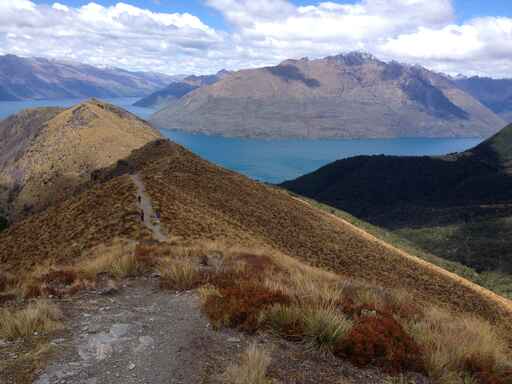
(60, 149)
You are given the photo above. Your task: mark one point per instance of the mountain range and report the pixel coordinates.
(346, 96)
(40, 78)
(178, 89)
(495, 94)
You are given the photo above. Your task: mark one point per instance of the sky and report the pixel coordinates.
(471, 37)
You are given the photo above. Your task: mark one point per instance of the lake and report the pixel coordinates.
(273, 160)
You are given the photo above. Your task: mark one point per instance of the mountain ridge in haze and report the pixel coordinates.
(496, 94)
(347, 96)
(40, 78)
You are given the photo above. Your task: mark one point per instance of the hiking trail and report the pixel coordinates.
(145, 204)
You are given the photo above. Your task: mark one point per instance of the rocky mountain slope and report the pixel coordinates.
(178, 89)
(351, 96)
(495, 94)
(455, 206)
(46, 153)
(39, 78)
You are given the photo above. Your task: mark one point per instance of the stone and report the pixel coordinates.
(43, 379)
(119, 330)
(145, 343)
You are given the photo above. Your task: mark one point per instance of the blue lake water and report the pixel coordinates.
(273, 160)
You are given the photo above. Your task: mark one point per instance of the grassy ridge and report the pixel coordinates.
(434, 246)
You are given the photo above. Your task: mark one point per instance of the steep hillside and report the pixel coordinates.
(39, 78)
(200, 201)
(495, 94)
(454, 206)
(48, 152)
(178, 89)
(351, 96)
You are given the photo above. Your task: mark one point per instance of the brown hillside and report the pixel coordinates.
(201, 201)
(64, 232)
(57, 150)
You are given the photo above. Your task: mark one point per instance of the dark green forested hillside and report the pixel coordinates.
(457, 206)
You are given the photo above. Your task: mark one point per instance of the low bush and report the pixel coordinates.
(239, 305)
(381, 341)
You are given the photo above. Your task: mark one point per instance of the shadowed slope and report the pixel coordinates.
(456, 206)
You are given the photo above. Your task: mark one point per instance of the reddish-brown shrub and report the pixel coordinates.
(60, 276)
(380, 340)
(3, 282)
(145, 254)
(355, 310)
(239, 305)
(32, 291)
(256, 264)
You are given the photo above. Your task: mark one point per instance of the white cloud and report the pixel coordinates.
(119, 35)
(482, 45)
(262, 32)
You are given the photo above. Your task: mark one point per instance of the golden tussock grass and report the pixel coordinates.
(179, 274)
(39, 316)
(252, 368)
(459, 347)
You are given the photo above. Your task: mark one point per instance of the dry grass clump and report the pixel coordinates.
(180, 275)
(252, 368)
(118, 259)
(326, 326)
(460, 346)
(39, 316)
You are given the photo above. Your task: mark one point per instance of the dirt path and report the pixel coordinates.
(503, 302)
(139, 335)
(146, 206)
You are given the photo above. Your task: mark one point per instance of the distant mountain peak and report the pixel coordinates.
(355, 58)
